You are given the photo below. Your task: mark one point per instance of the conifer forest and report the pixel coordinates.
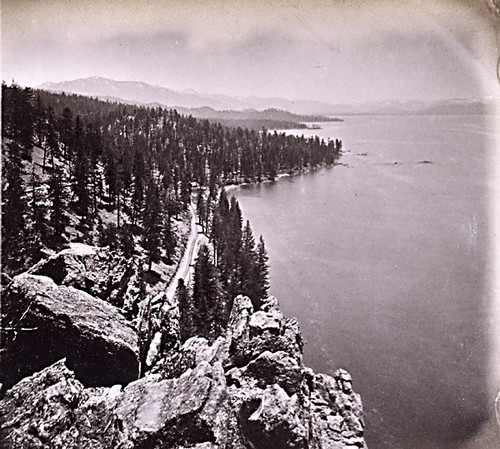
(78, 169)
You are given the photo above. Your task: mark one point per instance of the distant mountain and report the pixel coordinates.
(137, 91)
(454, 106)
(460, 106)
(271, 112)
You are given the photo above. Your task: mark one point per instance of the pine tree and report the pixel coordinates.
(12, 115)
(39, 121)
(262, 267)
(37, 209)
(168, 238)
(233, 241)
(14, 209)
(81, 171)
(18, 118)
(58, 218)
(248, 261)
(139, 172)
(186, 311)
(27, 117)
(201, 207)
(185, 191)
(66, 132)
(206, 296)
(151, 235)
(126, 239)
(51, 142)
(93, 151)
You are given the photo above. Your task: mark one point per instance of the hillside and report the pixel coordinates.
(103, 205)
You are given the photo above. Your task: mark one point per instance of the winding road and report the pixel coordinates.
(184, 271)
(186, 265)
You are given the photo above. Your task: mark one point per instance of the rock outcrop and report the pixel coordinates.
(94, 270)
(247, 389)
(44, 322)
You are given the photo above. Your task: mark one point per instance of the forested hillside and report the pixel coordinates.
(95, 344)
(77, 169)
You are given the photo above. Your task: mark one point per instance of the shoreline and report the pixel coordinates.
(285, 174)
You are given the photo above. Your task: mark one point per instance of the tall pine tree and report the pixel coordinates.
(14, 208)
(58, 218)
(208, 315)
(151, 235)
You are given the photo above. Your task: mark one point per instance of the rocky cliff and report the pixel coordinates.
(247, 389)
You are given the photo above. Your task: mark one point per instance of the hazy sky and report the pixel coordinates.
(333, 50)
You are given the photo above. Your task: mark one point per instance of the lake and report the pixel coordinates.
(386, 263)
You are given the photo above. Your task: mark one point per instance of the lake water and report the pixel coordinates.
(385, 262)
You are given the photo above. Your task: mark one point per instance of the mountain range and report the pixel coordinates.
(144, 93)
(229, 109)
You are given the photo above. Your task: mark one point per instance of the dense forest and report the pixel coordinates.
(69, 160)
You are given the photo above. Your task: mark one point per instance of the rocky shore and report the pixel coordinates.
(71, 368)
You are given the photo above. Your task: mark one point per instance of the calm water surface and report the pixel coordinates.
(384, 262)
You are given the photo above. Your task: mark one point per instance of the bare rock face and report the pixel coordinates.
(228, 395)
(281, 403)
(51, 409)
(274, 421)
(336, 411)
(47, 400)
(276, 368)
(44, 322)
(155, 411)
(265, 330)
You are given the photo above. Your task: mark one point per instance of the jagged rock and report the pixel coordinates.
(167, 332)
(252, 334)
(274, 422)
(239, 318)
(94, 270)
(46, 322)
(38, 408)
(51, 409)
(219, 412)
(262, 321)
(336, 411)
(203, 351)
(276, 368)
(155, 411)
(206, 401)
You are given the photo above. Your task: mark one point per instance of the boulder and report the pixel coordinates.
(239, 318)
(44, 322)
(165, 412)
(51, 409)
(204, 351)
(273, 422)
(288, 339)
(252, 333)
(276, 368)
(262, 321)
(94, 270)
(199, 398)
(219, 411)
